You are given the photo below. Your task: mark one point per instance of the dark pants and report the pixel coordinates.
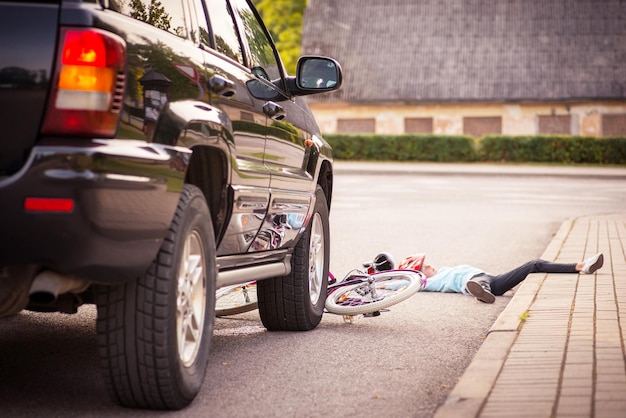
(501, 283)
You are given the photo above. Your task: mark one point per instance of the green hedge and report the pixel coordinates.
(403, 147)
(553, 149)
(461, 148)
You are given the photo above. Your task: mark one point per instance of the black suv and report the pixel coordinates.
(150, 153)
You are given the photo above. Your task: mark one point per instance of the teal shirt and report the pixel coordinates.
(451, 279)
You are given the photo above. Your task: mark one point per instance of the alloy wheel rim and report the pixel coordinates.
(316, 259)
(191, 299)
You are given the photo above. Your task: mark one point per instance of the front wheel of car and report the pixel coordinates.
(296, 302)
(154, 333)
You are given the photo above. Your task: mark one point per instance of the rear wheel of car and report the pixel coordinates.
(154, 333)
(14, 290)
(296, 302)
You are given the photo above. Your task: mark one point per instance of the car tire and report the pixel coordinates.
(14, 289)
(154, 333)
(296, 302)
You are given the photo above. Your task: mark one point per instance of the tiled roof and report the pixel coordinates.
(471, 50)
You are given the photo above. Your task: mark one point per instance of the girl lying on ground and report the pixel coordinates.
(484, 286)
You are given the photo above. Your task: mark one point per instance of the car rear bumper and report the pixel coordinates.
(124, 194)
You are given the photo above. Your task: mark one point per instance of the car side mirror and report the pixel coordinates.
(315, 74)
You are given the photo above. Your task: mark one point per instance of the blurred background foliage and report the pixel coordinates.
(283, 19)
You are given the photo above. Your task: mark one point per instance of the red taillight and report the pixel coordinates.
(84, 48)
(48, 204)
(88, 84)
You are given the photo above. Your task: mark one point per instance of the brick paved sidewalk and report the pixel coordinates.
(557, 350)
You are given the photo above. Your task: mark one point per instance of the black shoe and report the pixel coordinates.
(384, 262)
(480, 290)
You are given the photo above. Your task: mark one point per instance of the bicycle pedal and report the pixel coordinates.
(372, 314)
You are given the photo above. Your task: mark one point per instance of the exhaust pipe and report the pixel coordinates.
(48, 285)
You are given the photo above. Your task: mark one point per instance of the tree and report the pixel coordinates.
(283, 19)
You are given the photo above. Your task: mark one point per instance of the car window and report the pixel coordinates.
(198, 23)
(168, 15)
(263, 59)
(224, 30)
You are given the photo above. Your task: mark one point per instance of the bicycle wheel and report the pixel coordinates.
(233, 300)
(387, 289)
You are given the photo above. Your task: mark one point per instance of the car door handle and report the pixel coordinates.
(274, 111)
(222, 86)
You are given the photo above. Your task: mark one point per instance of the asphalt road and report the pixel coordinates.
(401, 364)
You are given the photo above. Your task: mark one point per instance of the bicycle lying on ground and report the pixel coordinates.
(360, 292)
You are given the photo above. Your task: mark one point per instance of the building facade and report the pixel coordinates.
(516, 67)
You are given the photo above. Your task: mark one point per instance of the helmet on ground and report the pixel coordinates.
(412, 262)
